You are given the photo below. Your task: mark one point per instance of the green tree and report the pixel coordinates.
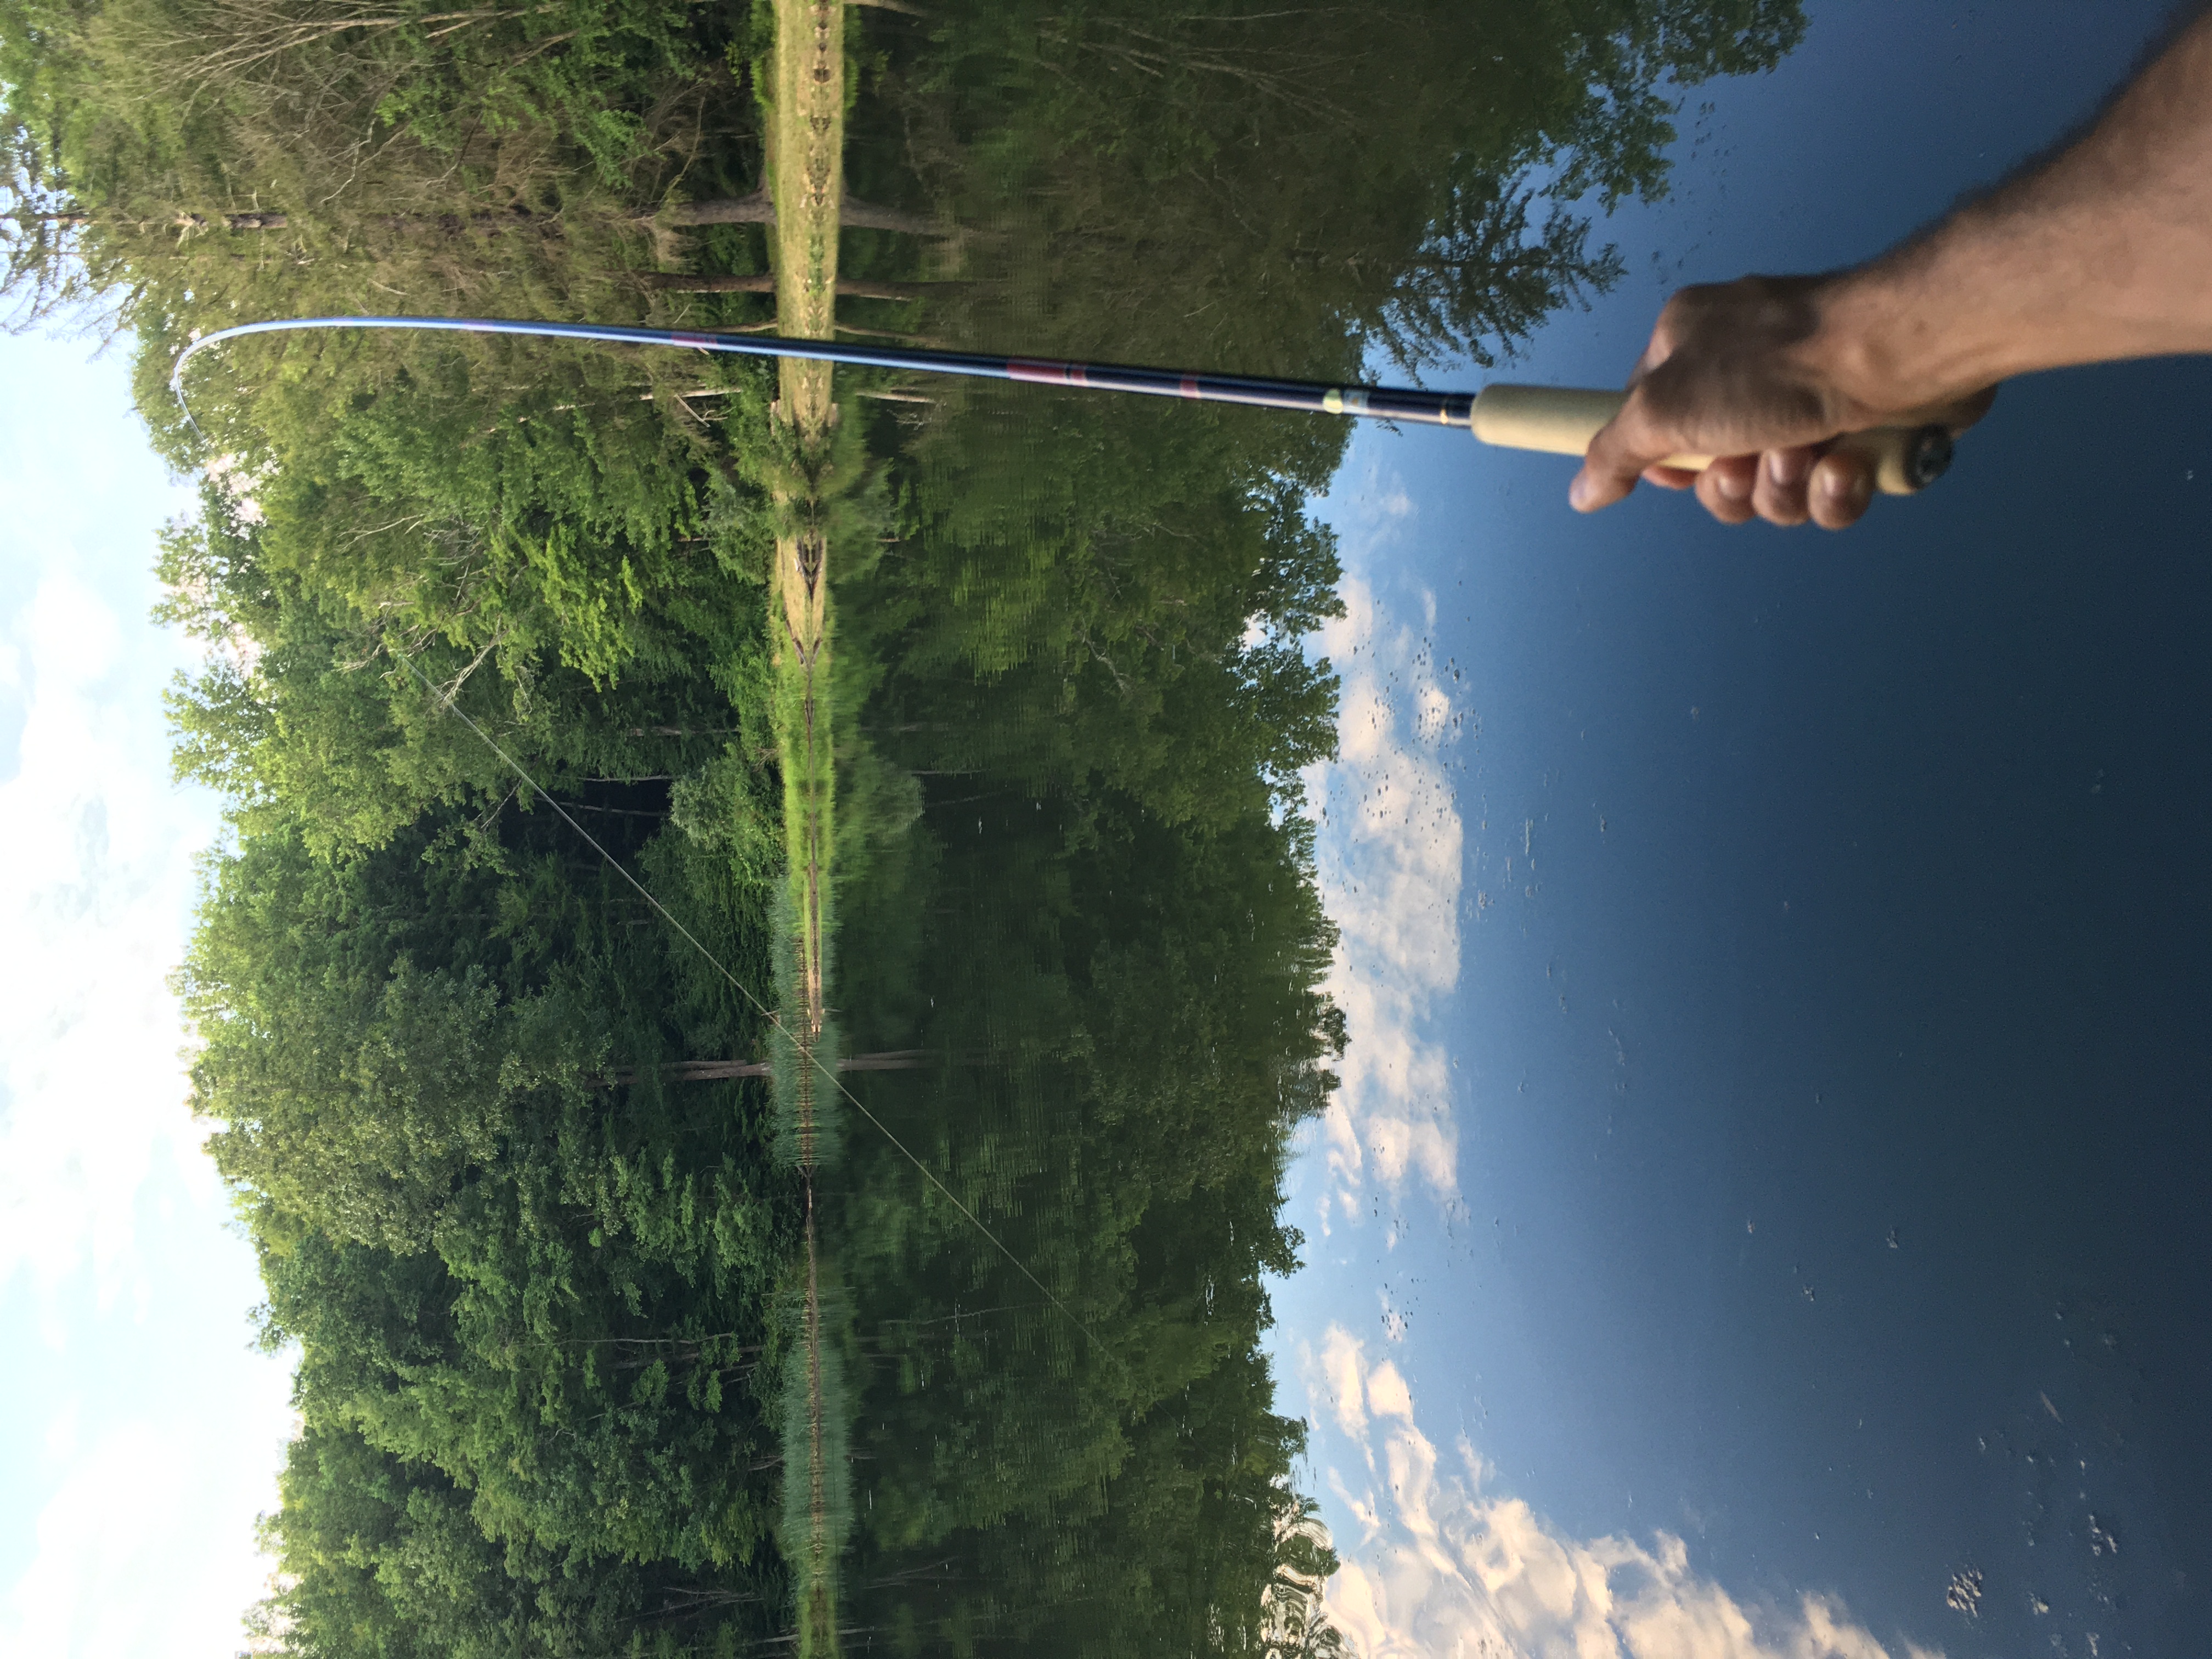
(547, 1295)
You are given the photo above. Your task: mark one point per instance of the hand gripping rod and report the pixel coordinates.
(1557, 419)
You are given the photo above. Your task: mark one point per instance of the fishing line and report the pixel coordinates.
(448, 706)
(1901, 459)
(1377, 402)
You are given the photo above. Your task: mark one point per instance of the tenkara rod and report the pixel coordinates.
(1557, 419)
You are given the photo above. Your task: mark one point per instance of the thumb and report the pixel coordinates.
(1612, 464)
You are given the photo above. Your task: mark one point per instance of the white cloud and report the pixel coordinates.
(108, 1515)
(95, 868)
(1387, 1395)
(107, 1577)
(1389, 852)
(62, 1433)
(1344, 1368)
(1448, 1568)
(115, 1252)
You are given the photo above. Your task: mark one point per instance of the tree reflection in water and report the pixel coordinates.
(968, 719)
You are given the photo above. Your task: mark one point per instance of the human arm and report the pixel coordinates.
(2103, 252)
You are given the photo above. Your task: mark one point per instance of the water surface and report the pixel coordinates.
(1150, 1028)
(1758, 1185)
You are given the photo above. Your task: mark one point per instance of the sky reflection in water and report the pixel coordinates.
(1808, 931)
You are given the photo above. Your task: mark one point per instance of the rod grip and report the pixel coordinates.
(1562, 420)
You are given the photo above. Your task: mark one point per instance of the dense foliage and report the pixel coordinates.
(506, 1140)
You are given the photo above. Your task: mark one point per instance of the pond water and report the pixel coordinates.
(1223, 1033)
(1761, 1203)
(1815, 1174)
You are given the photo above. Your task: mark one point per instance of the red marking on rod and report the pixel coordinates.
(1042, 370)
(1190, 385)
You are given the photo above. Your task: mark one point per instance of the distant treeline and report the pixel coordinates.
(541, 1287)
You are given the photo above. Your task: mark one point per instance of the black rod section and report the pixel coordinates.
(1375, 402)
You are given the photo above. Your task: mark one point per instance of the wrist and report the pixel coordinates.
(1887, 339)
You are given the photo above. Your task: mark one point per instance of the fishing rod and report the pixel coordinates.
(1557, 420)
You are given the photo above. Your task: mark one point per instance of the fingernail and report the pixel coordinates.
(1580, 492)
(1785, 467)
(1732, 484)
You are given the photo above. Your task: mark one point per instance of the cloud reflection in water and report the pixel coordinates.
(1389, 854)
(1443, 1564)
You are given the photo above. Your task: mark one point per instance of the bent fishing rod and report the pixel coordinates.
(1556, 420)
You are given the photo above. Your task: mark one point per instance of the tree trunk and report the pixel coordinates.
(452, 223)
(717, 1071)
(754, 209)
(679, 283)
(758, 209)
(182, 221)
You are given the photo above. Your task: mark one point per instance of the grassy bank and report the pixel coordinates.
(805, 129)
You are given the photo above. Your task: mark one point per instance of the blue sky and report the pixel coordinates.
(139, 1437)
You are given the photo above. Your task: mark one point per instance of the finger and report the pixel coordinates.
(1724, 489)
(1595, 488)
(1671, 477)
(1779, 496)
(1733, 477)
(1841, 486)
(1616, 459)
